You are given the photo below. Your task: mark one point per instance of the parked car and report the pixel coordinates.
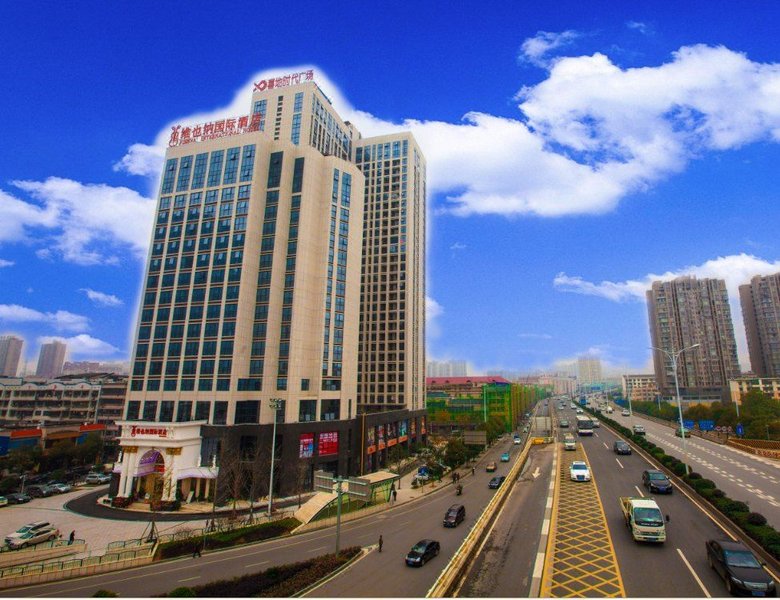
(505, 457)
(61, 488)
(563, 423)
(656, 481)
(739, 568)
(621, 447)
(422, 552)
(579, 471)
(18, 498)
(490, 467)
(639, 430)
(97, 478)
(682, 432)
(31, 534)
(3, 501)
(455, 515)
(40, 490)
(496, 482)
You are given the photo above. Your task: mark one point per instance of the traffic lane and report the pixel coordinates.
(741, 477)
(386, 574)
(162, 577)
(504, 567)
(687, 531)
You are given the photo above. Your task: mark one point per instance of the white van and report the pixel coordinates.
(569, 443)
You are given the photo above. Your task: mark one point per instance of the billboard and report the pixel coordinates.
(380, 437)
(403, 428)
(370, 441)
(328, 443)
(306, 445)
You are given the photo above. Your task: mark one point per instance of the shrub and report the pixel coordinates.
(182, 592)
(694, 475)
(119, 502)
(679, 469)
(756, 519)
(226, 539)
(105, 594)
(701, 484)
(717, 493)
(657, 453)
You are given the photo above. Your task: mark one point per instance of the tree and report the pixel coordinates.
(396, 455)
(259, 474)
(456, 453)
(232, 474)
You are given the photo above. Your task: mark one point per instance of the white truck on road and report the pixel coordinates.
(643, 519)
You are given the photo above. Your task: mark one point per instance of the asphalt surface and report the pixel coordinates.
(676, 568)
(751, 479)
(376, 574)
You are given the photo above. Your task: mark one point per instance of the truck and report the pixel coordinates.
(643, 519)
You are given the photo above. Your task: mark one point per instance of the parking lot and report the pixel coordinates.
(97, 532)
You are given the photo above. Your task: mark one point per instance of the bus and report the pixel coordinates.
(584, 425)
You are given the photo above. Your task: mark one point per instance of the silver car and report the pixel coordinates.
(31, 534)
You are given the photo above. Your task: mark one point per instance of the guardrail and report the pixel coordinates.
(41, 552)
(449, 577)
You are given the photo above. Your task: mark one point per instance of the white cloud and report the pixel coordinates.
(142, 159)
(433, 310)
(458, 246)
(535, 336)
(535, 49)
(88, 223)
(6, 263)
(641, 27)
(61, 319)
(102, 299)
(735, 270)
(83, 346)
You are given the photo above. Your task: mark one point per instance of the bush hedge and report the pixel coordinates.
(225, 539)
(283, 581)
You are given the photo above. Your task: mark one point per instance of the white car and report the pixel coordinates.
(97, 478)
(579, 411)
(595, 422)
(625, 413)
(579, 471)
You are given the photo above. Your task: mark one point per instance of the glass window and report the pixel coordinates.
(183, 411)
(247, 411)
(307, 411)
(220, 413)
(150, 410)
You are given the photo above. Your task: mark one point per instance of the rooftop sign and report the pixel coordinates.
(216, 129)
(284, 81)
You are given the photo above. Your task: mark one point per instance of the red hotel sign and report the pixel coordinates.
(284, 81)
(210, 131)
(158, 431)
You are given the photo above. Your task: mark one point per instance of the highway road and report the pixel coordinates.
(376, 574)
(505, 565)
(751, 479)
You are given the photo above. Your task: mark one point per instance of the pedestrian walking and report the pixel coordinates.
(395, 495)
(380, 542)
(71, 537)
(196, 547)
(472, 470)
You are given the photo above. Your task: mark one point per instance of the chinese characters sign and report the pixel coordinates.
(328, 443)
(157, 431)
(306, 445)
(216, 129)
(284, 81)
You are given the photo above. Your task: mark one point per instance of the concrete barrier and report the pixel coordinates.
(36, 554)
(449, 577)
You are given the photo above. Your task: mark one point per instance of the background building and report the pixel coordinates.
(560, 384)
(760, 301)
(10, 355)
(51, 359)
(639, 388)
(588, 370)
(685, 312)
(446, 368)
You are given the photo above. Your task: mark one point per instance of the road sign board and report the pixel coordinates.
(688, 424)
(718, 428)
(706, 425)
(740, 429)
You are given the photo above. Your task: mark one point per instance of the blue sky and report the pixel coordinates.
(576, 152)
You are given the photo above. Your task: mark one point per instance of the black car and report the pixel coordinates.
(455, 515)
(422, 552)
(741, 571)
(656, 481)
(496, 482)
(621, 447)
(40, 491)
(17, 498)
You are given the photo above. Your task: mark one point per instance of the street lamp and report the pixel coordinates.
(673, 358)
(275, 404)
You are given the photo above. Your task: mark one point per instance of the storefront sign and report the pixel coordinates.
(370, 441)
(392, 436)
(403, 428)
(328, 443)
(306, 445)
(284, 81)
(181, 135)
(380, 437)
(136, 430)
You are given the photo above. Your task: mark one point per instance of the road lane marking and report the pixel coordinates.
(695, 576)
(605, 445)
(189, 578)
(317, 549)
(636, 487)
(265, 562)
(620, 463)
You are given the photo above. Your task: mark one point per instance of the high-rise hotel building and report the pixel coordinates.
(285, 282)
(688, 311)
